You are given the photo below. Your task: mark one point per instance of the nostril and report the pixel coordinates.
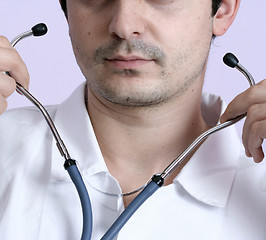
(115, 36)
(135, 34)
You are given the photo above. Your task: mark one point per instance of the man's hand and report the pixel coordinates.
(252, 102)
(11, 62)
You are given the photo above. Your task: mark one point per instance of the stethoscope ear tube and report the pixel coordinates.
(71, 167)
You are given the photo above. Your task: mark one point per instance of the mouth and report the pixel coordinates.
(127, 62)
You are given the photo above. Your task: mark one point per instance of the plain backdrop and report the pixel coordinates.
(55, 74)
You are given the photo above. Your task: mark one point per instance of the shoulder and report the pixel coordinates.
(246, 208)
(251, 175)
(249, 187)
(24, 118)
(21, 130)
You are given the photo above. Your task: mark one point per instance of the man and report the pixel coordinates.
(144, 62)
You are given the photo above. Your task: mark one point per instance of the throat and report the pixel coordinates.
(137, 146)
(133, 179)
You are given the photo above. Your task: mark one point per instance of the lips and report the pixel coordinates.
(127, 62)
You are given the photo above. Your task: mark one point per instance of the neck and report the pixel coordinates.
(136, 143)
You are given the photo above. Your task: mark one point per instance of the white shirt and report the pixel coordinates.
(219, 195)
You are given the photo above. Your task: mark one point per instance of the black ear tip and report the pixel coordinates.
(39, 29)
(230, 60)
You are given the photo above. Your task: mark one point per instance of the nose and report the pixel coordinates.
(127, 20)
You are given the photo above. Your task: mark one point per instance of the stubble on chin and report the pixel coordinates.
(138, 96)
(102, 82)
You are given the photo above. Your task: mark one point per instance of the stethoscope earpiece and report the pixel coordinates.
(39, 30)
(230, 60)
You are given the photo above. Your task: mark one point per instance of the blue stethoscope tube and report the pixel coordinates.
(71, 167)
(157, 180)
(155, 183)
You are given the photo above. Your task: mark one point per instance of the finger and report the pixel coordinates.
(242, 102)
(7, 85)
(257, 154)
(4, 42)
(3, 104)
(255, 140)
(11, 62)
(255, 113)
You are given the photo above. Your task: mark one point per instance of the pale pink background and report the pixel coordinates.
(54, 73)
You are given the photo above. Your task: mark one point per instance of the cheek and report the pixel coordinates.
(195, 34)
(85, 39)
(187, 48)
(84, 26)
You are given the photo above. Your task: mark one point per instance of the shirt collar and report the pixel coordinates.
(73, 124)
(209, 174)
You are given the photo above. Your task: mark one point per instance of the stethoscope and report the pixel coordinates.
(153, 184)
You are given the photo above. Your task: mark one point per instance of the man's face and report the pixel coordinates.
(140, 52)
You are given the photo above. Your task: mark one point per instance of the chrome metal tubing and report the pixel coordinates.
(246, 73)
(60, 144)
(20, 37)
(172, 167)
(174, 164)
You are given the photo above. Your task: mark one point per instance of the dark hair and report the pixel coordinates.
(63, 6)
(215, 6)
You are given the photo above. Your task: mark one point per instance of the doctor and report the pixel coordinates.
(144, 62)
